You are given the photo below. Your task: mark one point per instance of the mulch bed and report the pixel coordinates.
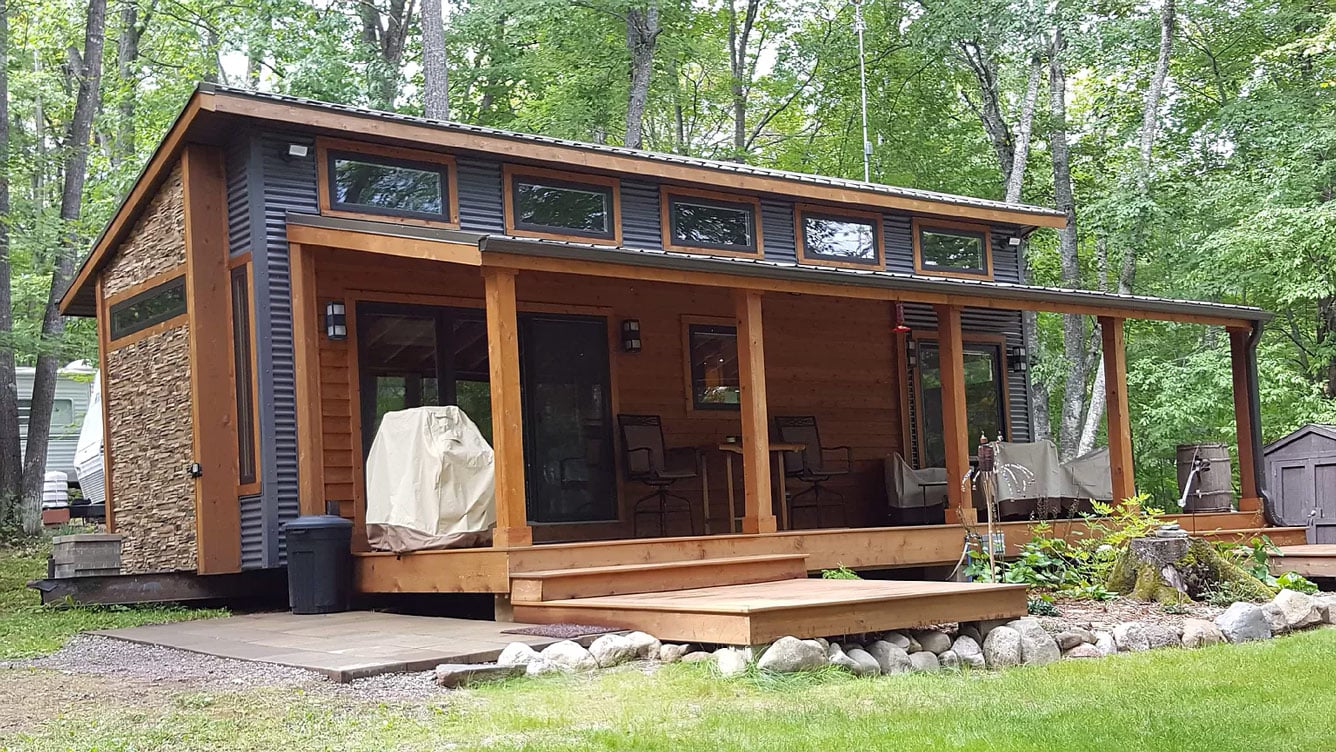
(1105, 615)
(560, 631)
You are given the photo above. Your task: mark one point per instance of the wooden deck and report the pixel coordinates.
(1308, 560)
(757, 613)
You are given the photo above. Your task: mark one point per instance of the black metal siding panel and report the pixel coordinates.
(641, 215)
(287, 185)
(897, 240)
(777, 230)
(479, 185)
(238, 196)
(252, 532)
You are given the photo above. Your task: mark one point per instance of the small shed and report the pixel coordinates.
(1301, 472)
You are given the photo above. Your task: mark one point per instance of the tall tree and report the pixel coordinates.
(384, 32)
(435, 70)
(127, 57)
(77, 138)
(740, 63)
(11, 461)
(642, 35)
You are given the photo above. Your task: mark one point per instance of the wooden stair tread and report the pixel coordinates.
(651, 566)
(1316, 550)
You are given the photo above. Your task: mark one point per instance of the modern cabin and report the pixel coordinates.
(284, 272)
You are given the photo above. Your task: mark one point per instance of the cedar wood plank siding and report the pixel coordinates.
(289, 184)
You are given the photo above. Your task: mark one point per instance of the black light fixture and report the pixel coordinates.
(911, 354)
(336, 320)
(631, 335)
(900, 326)
(1018, 360)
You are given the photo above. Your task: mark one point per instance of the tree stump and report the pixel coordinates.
(1176, 570)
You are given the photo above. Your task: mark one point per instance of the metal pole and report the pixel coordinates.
(859, 26)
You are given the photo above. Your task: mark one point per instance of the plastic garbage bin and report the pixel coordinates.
(320, 564)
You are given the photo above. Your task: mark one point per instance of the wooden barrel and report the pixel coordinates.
(1213, 488)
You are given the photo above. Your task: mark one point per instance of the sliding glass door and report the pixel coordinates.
(411, 356)
(985, 398)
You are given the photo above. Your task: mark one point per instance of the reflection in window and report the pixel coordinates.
(953, 250)
(840, 238)
(712, 224)
(388, 186)
(984, 405)
(561, 206)
(241, 354)
(153, 306)
(714, 367)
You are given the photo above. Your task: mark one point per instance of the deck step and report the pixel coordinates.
(1318, 560)
(763, 612)
(1281, 536)
(588, 582)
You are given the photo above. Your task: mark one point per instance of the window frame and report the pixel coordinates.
(801, 212)
(667, 196)
(914, 383)
(146, 290)
(560, 178)
(240, 264)
(691, 324)
(327, 148)
(949, 227)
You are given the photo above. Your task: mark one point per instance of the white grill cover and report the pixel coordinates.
(429, 482)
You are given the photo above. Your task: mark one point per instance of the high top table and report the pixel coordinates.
(732, 448)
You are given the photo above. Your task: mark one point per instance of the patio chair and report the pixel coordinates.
(648, 462)
(814, 465)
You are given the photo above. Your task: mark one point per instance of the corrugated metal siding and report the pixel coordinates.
(236, 158)
(252, 532)
(777, 230)
(287, 185)
(479, 184)
(641, 218)
(898, 243)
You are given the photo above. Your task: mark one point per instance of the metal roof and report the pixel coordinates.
(711, 164)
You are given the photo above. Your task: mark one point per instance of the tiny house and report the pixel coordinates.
(287, 271)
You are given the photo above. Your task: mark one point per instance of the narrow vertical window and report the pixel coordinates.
(241, 351)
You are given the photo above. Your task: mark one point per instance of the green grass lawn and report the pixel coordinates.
(27, 629)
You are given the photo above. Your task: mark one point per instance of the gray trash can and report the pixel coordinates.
(320, 564)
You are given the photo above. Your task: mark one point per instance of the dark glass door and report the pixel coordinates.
(985, 407)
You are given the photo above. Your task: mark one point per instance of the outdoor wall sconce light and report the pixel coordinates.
(631, 335)
(1017, 360)
(336, 320)
(297, 151)
(911, 354)
(900, 326)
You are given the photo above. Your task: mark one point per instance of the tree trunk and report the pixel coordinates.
(385, 33)
(435, 72)
(1015, 182)
(1073, 325)
(71, 202)
(642, 35)
(738, 39)
(127, 53)
(983, 66)
(11, 460)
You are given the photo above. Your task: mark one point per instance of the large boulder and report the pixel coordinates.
(790, 654)
(1275, 618)
(732, 661)
(612, 650)
(697, 656)
(540, 667)
(932, 641)
(891, 659)
(1243, 622)
(1037, 646)
(1068, 639)
(924, 661)
(452, 675)
(1161, 636)
(1083, 650)
(949, 659)
(836, 657)
(569, 656)
(518, 654)
(967, 649)
(1199, 633)
(646, 645)
(867, 665)
(1105, 643)
(1002, 647)
(1299, 610)
(1131, 637)
(1326, 608)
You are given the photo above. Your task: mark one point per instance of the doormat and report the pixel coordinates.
(560, 631)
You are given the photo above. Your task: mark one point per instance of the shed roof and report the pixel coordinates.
(1321, 429)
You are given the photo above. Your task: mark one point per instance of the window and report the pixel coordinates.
(245, 386)
(985, 397)
(952, 249)
(545, 203)
(62, 415)
(153, 306)
(360, 180)
(839, 238)
(700, 220)
(714, 366)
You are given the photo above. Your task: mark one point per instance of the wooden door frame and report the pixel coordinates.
(912, 390)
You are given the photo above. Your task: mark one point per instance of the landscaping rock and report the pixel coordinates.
(836, 657)
(672, 653)
(933, 641)
(1275, 618)
(1068, 640)
(647, 645)
(1131, 637)
(1037, 646)
(924, 661)
(823, 642)
(518, 654)
(731, 661)
(984, 626)
(452, 675)
(612, 650)
(540, 667)
(569, 656)
(890, 658)
(1198, 633)
(1243, 622)
(1326, 608)
(1300, 610)
(1085, 634)
(867, 665)
(949, 659)
(967, 649)
(699, 656)
(1105, 643)
(1002, 647)
(971, 631)
(790, 654)
(1083, 650)
(1161, 636)
(897, 639)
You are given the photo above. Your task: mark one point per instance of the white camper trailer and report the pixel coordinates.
(73, 387)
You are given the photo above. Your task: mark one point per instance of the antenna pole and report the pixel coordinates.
(859, 26)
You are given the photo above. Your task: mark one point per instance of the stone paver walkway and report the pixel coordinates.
(342, 646)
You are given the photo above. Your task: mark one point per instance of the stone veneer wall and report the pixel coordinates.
(148, 405)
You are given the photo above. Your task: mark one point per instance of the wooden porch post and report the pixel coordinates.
(759, 516)
(503, 363)
(955, 421)
(1249, 498)
(306, 333)
(1119, 423)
